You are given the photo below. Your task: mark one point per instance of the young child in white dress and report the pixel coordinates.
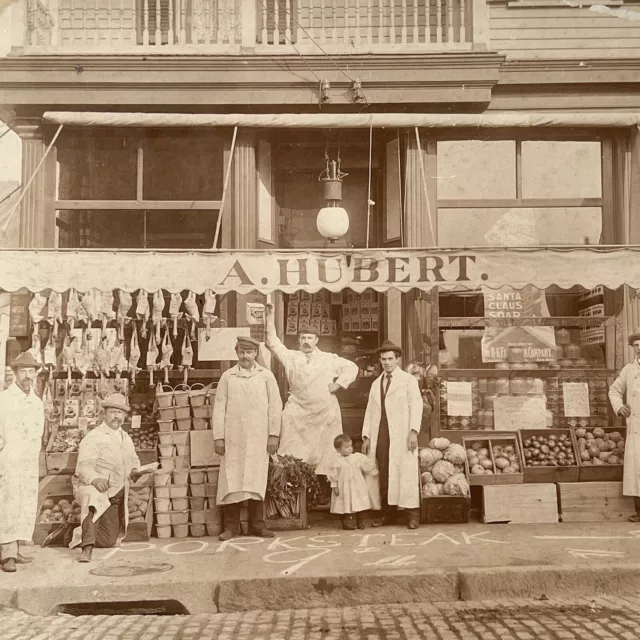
(354, 484)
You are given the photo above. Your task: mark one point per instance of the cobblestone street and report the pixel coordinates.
(580, 619)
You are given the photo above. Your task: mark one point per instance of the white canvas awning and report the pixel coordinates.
(345, 120)
(290, 271)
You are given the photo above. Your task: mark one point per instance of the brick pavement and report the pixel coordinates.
(553, 619)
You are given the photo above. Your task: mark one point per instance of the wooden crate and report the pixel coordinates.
(43, 529)
(600, 473)
(548, 474)
(520, 504)
(291, 524)
(594, 502)
(495, 478)
(141, 531)
(445, 510)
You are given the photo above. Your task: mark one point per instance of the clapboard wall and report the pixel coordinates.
(529, 29)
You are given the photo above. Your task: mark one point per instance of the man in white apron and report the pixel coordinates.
(624, 395)
(107, 462)
(246, 429)
(311, 418)
(390, 436)
(21, 428)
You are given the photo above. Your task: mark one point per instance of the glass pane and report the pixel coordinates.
(126, 229)
(519, 227)
(561, 169)
(474, 169)
(97, 168)
(183, 166)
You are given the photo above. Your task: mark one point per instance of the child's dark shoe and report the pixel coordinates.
(348, 522)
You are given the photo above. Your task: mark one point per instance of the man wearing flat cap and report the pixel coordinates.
(21, 428)
(246, 430)
(107, 463)
(624, 396)
(311, 419)
(390, 436)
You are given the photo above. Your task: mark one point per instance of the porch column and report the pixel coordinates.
(419, 233)
(245, 193)
(37, 216)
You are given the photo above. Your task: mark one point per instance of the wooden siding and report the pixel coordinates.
(566, 32)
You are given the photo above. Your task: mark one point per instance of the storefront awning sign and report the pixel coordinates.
(290, 271)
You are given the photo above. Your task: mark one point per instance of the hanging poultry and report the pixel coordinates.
(186, 361)
(36, 308)
(192, 313)
(152, 356)
(54, 315)
(142, 311)
(174, 311)
(134, 355)
(73, 309)
(167, 354)
(208, 311)
(156, 313)
(125, 302)
(106, 312)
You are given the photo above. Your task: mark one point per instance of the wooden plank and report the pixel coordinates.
(592, 34)
(519, 202)
(520, 504)
(570, 44)
(138, 205)
(551, 12)
(508, 21)
(594, 502)
(553, 321)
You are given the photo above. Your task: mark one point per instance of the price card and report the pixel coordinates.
(576, 399)
(459, 399)
(136, 421)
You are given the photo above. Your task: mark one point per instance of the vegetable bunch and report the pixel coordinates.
(288, 477)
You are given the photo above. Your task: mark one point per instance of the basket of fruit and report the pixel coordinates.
(549, 455)
(601, 453)
(61, 453)
(54, 512)
(495, 459)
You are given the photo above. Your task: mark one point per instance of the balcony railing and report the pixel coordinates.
(252, 26)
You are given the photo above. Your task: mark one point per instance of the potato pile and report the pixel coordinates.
(597, 447)
(554, 450)
(146, 437)
(61, 511)
(479, 459)
(138, 503)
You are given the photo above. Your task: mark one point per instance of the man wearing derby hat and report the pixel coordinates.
(624, 396)
(390, 436)
(246, 428)
(107, 462)
(21, 428)
(311, 419)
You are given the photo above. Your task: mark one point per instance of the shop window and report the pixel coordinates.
(552, 169)
(135, 229)
(97, 168)
(474, 169)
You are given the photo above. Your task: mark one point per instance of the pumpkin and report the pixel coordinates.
(442, 471)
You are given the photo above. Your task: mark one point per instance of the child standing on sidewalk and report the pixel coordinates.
(354, 483)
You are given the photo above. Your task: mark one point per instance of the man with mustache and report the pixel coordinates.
(107, 462)
(311, 418)
(21, 428)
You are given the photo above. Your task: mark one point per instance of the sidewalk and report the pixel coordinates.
(328, 567)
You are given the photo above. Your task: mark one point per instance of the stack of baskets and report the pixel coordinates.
(205, 515)
(171, 503)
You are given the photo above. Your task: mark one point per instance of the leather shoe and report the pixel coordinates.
(227, 534)
(262, 533)
(389, 520)
(23, 559)
(86, 554)
(635, 517)
(9, 565)
(413, 524)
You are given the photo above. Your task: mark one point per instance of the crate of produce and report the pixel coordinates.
(53, 511)
(445, 509)
(594, 502)
(140, 507)
(493, 459)
(520, 504)
(600, 453)
(549, 455)
(299, 521)
(61, 452)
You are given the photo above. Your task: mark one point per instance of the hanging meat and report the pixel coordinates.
(174, 311)
(68, 355)
(50, 359)
(142, 311)
(134, 355)
(156, 313)
(106, 312)
(54, 315)
(167, 354)
(74, 309)
(36, 347)
(152, 356)
(82, 356)
(102, 358)
(125, 302)
(186, 361)
(208, 311)
(118, 358)
(36, 308)
(192, 313)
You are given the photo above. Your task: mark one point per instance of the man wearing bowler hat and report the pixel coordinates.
(246, 429)
(624, 396)
(311, 418)
(21, 428)
(107, 462)
(390, 436)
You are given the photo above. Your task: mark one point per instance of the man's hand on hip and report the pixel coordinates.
(624, 411)
(366, 446)
(101, 484)
(413, 441)
(334, 387)
(218, 446)
(272, 445)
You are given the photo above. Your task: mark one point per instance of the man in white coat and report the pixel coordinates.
(624, 396)
(390, 436)
(21, 428)
(107, 463)
(311, 419)
(246, 430)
